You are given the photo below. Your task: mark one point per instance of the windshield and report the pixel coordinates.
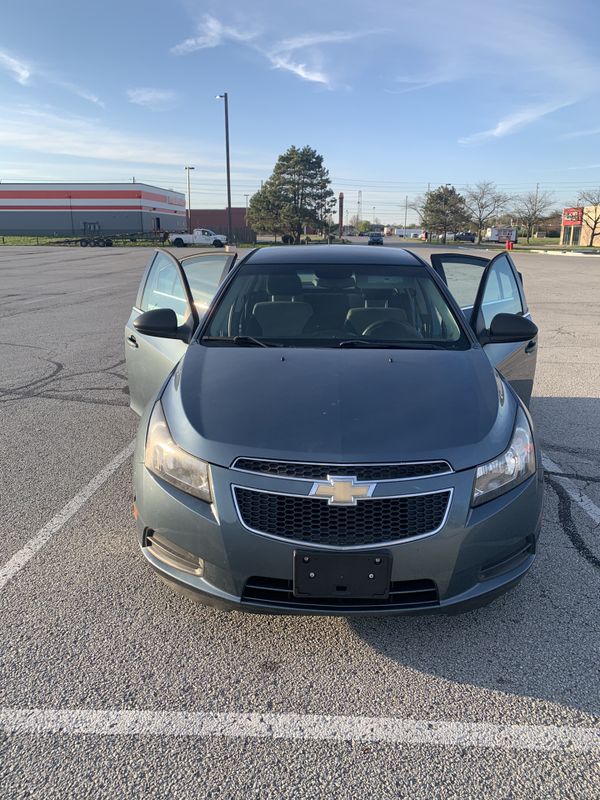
(334, 306)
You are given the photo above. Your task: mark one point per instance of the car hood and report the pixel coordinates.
(338, 405)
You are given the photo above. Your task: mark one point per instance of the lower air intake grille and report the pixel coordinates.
(277, 592)
(371, 521)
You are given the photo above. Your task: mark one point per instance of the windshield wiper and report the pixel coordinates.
(250, 341)
(385, 344)
(244, 341)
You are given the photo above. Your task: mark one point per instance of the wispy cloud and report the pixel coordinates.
(515, 121)
(313, 39)
(50, 132)
(282, 54)
(154, 99)
(301, 70)
(85, 94)
(212, 34)
(26, 74)
(578, 134)
(18, 70)
(415, 84)
(47, 132)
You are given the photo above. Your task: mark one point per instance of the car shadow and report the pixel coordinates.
(541, 639)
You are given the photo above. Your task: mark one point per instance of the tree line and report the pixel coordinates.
(298, 195)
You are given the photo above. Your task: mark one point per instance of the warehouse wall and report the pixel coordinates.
(61, 223)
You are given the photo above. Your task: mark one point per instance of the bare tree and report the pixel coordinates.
(590, 199)
(419, 205)
(483, 202)
(530, 208)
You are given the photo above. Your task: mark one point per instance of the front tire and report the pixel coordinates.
(179, 242)
(217, 243)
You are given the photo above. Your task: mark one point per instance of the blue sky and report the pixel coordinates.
(395, 95)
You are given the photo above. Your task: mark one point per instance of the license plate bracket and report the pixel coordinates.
(318, 573)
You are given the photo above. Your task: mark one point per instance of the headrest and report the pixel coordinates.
(330, 276)
(286, 285)
(378, 297)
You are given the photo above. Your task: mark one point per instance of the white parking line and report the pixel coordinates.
(579, 497)
(21, 557)
(311, 727)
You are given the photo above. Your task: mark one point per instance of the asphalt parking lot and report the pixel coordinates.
(112, 686)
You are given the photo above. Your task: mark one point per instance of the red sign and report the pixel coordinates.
(572, 216)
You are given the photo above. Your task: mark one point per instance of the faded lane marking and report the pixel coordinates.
(576, 495)
(20, 558)
(307, 727)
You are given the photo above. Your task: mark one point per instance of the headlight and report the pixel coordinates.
(510, 469)
(167, 460)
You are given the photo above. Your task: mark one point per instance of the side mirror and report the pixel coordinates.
(158, 322)
(510, 328)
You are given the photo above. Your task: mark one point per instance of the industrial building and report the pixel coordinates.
(75, 209)
(216, 220)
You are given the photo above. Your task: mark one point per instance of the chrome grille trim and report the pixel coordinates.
(317, 546)
(346, 469)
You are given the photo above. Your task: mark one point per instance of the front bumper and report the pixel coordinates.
(478, 554)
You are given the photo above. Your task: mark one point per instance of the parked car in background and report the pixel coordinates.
(465, 236)
(375, 238)
(199, 236)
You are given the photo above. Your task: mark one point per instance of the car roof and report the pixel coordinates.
(332, 254)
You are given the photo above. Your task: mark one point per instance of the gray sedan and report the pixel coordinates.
(335, 430)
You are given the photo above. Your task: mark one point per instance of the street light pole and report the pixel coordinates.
(373, 215)
(405, 213)
(189, 192)
(225, 97)
(246, 217)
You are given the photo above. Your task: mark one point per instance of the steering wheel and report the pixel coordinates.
(386, 329)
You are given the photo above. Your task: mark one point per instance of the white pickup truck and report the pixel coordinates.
(198, 236)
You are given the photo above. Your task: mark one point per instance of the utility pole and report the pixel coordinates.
(189, 192)
(405, 213)
(373, 215)
(246, 217)
(225, 97)
(359, 206)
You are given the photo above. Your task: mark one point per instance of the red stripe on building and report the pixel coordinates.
(92, 208)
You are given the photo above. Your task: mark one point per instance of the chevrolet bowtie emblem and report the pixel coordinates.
(342, 490)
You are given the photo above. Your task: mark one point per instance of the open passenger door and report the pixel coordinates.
(486, 287)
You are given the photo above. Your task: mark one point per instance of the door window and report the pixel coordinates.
(203, 275)
(463, 281)
(501, 294)
(164, 288)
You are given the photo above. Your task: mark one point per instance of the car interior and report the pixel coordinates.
(329, 302)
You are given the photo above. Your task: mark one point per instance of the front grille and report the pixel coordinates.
(362, 472)
(369, 522)
(278, 592)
